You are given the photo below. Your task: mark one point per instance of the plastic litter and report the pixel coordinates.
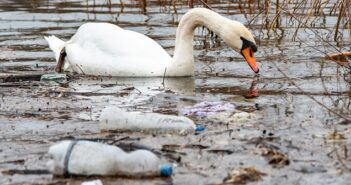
(115, 119)
(55, 77)
(200, 128)
(206, 108)
(91, 158)
(232, 118)
(94, 182)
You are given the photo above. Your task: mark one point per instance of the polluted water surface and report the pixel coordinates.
(295, 124)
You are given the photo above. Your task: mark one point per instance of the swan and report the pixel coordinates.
(105, 49)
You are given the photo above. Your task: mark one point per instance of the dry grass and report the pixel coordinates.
(275, 15)
(303, 14)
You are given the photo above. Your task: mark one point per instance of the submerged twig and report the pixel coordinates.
(26, 172)
(163, 79)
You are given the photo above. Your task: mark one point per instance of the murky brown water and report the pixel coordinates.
(33, 115)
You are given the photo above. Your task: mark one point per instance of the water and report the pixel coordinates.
(35, 114)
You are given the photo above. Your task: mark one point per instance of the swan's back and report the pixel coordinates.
(102, 48)
(115, 40)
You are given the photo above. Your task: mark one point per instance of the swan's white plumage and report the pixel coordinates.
(108, 50)
(55, 45)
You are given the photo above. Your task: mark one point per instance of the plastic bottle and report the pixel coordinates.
(55, 77)
(115, 119)
(92, 158)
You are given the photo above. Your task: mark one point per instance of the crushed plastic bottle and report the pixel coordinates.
(55, 77)
(115, 119)
(92, 158)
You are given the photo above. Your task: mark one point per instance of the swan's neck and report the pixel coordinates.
(183, 60)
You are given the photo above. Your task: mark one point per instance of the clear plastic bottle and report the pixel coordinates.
(115, 119)
(92, 158)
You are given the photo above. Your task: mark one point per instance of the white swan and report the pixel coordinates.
(108, 50)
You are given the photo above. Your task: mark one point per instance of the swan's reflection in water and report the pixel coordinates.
(164, 95)
(183, 86)
(253, 91)
(144, 94)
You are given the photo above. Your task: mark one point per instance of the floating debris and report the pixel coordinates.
(19, 77)
(311, 169)
(205, 108)
(243, 176)
(274, 156)
(335, 135)
(25, 172)
(94, 182)
(221, 151)
(55, 77)
(167, 147)
(339, 57)
(91, 158)
(199, 128)
(115, 119)
(232, 118)
(249, 108)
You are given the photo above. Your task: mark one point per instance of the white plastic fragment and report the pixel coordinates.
(233, 118)
(94, 182)
(115, 119)
(242, 117)
(91, 158)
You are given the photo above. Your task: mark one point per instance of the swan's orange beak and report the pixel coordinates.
(250, 59)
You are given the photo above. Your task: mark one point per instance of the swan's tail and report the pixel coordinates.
(56, 45)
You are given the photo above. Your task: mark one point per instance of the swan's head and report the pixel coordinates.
(240, 39)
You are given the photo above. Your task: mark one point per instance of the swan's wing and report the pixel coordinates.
(115, 41)
(105, 49)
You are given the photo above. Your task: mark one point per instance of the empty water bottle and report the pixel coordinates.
(92, 158)
(56, 77)
(115, 119)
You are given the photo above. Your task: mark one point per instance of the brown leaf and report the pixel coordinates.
(274, 156)
(243, 176)
(339, 57)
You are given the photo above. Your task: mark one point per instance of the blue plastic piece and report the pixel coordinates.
(199, 128)
(166, 170)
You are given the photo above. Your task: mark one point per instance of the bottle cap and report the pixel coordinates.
(166, 170)
(199, 128)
